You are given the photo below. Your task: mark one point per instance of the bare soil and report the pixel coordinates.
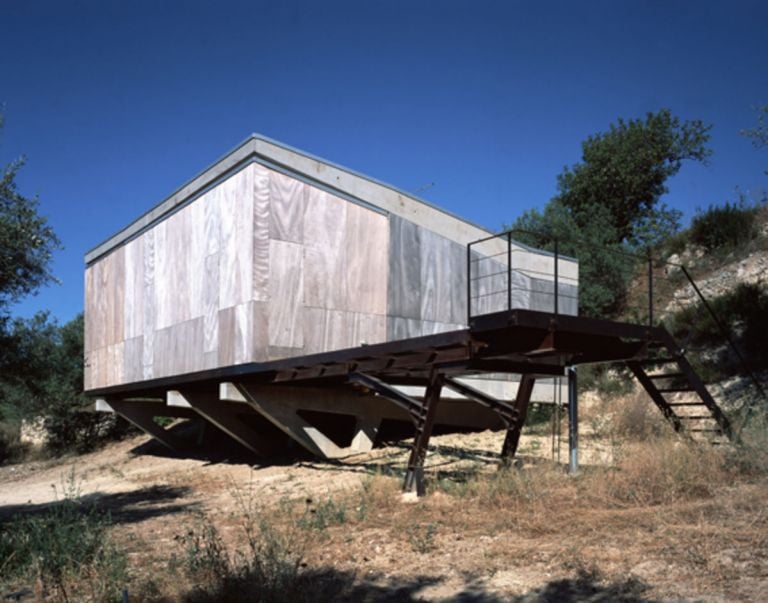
(556, 541)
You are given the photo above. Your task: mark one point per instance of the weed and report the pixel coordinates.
(65, 551)
(422, 538)
(319, 516)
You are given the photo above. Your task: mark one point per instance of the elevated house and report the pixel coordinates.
(277, 294)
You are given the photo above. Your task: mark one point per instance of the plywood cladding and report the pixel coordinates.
(263, 265)
(259, 267)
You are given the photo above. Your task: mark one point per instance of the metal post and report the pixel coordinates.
(509, 271)
(469, 282)
(522, 400)
(573, 422)
(556, 278)
(650, 289)
(414, 475)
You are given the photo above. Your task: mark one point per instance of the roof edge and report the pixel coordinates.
(257, 145)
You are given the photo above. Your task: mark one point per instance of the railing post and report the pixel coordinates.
(650, 289)
(557, 309)
(509, 271)
(469, 282)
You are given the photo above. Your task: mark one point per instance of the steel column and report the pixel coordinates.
(573, 422)
(522, 400)
(414, 475)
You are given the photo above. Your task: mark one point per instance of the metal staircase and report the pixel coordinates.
(676, 389)
(662, 364)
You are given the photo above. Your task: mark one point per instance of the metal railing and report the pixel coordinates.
(504, 274)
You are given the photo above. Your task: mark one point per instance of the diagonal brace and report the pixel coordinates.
(522, 400)
(507, 412)
(385, 390)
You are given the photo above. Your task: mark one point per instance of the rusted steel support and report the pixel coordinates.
(506, 411)
(414, 475)
(512, 439)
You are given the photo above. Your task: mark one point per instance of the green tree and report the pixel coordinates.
(624, 173)
(609, 204)
(27, 241)
(43, 378)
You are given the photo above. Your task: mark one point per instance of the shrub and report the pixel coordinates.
(743, 311)
(724, 226)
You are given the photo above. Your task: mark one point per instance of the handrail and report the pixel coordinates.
(506, 238)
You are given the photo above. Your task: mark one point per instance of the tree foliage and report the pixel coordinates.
(27, 241)
(42, 377)
(624, 172)
(609, 204)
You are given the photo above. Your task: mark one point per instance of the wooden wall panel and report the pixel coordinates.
(325, 249)
(427, 280)
(260, 267)
(235, 202)
(286, 294)
(134, 288)
(261, 205)
(90, 307)
(211, 303)
(178, 250)
(336, 329)
(150, 303)
(132, 360)
(404, 291)
(196, 260)
(163, 274)
(287, 201)
(367, 260)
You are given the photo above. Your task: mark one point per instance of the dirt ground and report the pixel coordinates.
(447, 546)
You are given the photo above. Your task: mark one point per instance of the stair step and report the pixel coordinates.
(686, 404)
(665, 375)
(699, 430)
(670, 390)
(694, 417)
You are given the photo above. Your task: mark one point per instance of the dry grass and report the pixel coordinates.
(664, 519)
(665, 506)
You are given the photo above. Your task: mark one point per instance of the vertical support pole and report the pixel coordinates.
(414, 475)
(650, 289)
(469, 282)
(557, 308)
(509, 271)
(573, 422)
(522, 400)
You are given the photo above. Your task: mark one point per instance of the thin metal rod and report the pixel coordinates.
(469, 283)
(573, 422)
(509, 271)
(650, 289)
(556, 277)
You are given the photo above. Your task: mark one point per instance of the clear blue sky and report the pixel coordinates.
(117, 103)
